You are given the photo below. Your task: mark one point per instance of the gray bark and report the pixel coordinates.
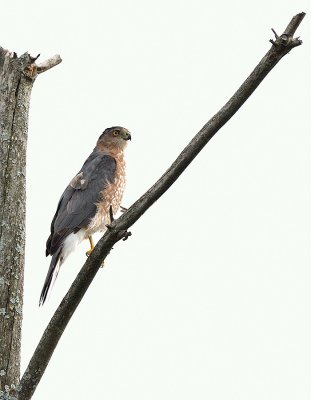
(17, 75)
(16, 82)
(117, 230)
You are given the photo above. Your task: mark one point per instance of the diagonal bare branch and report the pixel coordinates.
(118, 228)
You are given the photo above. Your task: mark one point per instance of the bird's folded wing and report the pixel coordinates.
(77, 205)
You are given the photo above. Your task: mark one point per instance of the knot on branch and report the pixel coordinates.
(30, 72)
(285, 41)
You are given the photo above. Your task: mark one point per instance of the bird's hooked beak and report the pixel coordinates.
(125, 134)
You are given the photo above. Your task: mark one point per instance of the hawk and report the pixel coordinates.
(84, 207)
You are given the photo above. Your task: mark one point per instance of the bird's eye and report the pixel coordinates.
(115, 133)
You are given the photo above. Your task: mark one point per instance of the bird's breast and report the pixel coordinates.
(111, 196)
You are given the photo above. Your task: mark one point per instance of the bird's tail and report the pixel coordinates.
(51, 276)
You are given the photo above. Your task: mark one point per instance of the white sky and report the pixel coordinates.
(210, 298)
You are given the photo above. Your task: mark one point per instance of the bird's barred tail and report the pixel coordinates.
(51, 276)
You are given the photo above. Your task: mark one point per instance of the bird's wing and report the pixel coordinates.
(77, 205)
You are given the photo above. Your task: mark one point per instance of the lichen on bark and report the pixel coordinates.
(16, 83)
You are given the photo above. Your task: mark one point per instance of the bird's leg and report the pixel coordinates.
(111, 218)
(111, 214)
(88, 253)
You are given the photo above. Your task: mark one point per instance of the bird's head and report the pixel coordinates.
(114, 138)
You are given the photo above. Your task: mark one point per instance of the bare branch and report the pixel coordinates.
(118, 228)
(48, 64)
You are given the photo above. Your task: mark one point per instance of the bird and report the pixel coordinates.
(86, 204)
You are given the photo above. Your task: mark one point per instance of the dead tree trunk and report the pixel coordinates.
(17, 75)
(15, 88)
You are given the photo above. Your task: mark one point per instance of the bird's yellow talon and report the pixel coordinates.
(89, 252)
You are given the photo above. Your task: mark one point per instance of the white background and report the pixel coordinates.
(210, 298)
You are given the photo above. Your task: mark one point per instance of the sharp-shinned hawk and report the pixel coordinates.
(84, 207)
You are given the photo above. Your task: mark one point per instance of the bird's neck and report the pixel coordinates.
(118, 154)
(112, 149)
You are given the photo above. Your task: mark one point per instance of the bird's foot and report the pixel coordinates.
(126, 235)
(123, 209)
(89, 252)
